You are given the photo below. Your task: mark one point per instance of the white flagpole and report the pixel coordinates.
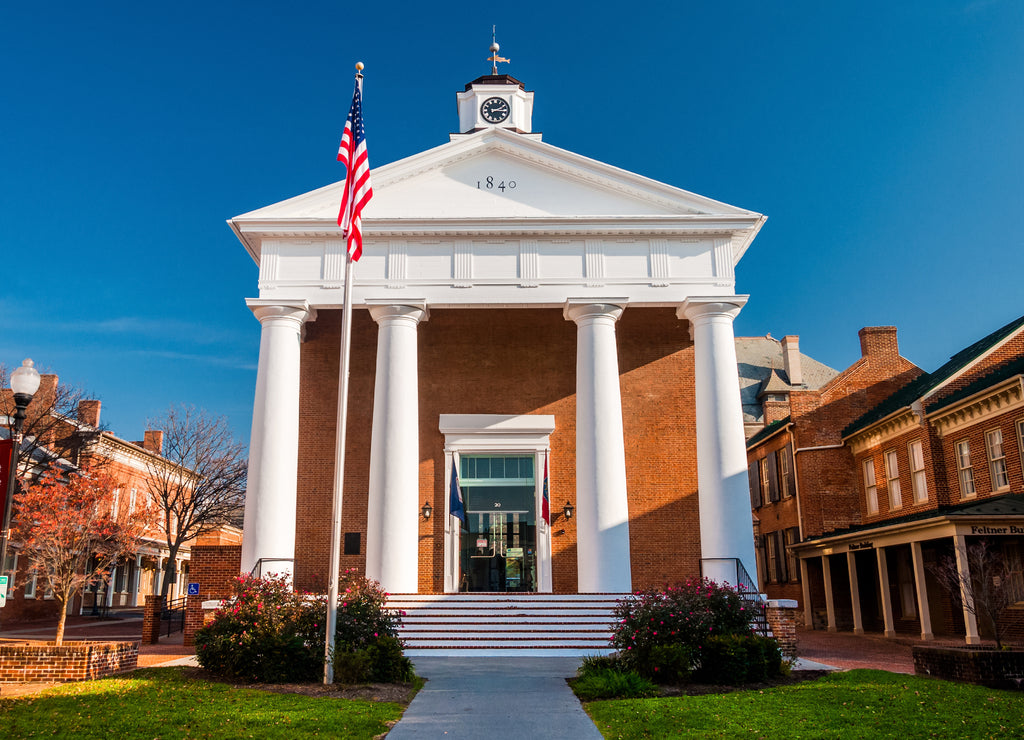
(339, 474)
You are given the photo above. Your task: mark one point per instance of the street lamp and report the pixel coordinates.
(24, 384)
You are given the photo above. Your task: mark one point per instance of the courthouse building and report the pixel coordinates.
(528, 317)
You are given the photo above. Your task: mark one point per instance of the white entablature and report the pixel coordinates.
(497, 218)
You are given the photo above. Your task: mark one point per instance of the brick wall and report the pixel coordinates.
(782, 618)
(214, 568)
(151, 619)
(494, 362)
(75, 661)
(997, 669)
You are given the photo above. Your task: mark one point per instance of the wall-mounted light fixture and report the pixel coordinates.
(427, 510)
(566, 512)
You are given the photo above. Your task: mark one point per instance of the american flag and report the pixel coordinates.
(352, 151)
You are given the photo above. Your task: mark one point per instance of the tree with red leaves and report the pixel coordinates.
(74, 531)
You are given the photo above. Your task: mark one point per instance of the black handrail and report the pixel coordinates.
(174, 614)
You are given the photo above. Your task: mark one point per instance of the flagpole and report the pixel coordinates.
(339, 475)
(339, 446)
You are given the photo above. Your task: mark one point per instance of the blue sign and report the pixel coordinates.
(193, 589)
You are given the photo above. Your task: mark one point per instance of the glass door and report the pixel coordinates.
(498, 542)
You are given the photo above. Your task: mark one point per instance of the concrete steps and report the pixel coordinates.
(506, 624)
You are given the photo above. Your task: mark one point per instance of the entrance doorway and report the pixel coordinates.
(498, 542)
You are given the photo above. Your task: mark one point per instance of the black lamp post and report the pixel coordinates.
(24, 384)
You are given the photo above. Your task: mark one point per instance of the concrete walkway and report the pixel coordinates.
(498, 698)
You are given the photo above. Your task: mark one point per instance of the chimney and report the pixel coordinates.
(89, 413)
(791, 359)
(153, 441)
(878, 341)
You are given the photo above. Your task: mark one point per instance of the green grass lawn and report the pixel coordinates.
(855, 704)
(162, 703)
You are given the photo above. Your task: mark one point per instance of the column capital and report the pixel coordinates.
(414, 311)
(582, 310)
(265, 310)
(711, 306)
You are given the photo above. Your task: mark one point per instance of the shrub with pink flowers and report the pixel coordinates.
(672, 626)
(266, 633)
(270, 633)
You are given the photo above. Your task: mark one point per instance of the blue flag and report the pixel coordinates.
(455, 507)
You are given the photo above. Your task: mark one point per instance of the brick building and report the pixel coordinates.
(529, 320)
(896, 470)
(54, 438)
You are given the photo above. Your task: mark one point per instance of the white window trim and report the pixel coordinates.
(965, 473)
(496, 434)
(892, 479)
(920, 490)
(870, 485)
(995, 463)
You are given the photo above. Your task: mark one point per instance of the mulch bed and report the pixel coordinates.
(701, 689)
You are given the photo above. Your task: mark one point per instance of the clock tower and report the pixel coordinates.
(496, 101)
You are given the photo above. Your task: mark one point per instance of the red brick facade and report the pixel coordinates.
(481, 362)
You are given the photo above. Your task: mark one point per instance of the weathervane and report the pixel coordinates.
(494, 58)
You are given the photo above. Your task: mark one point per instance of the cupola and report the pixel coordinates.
(496, 101)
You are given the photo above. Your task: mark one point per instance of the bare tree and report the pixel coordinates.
(199, 484)
(987, 591)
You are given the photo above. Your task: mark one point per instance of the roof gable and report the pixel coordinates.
(927, 383)
(463, 180)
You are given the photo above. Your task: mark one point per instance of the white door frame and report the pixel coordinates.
(496, 434)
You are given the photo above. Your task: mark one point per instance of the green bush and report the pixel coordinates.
(669, 664)
(351, 667)
(609, 683)
(269, 633)
(739, 659)
(388, 663)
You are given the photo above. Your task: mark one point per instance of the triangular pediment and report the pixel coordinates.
(497, 174)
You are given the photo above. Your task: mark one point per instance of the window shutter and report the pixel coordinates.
(754, 480)
(773, 476)
(783, 556)
(791, 474)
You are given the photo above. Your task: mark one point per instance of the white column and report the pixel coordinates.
(805, 587)
(964, 569)
(109, 596)
(726, 525)
(883, 585)
(922, 591)
(136, 576)
(851, 566)
(274, 446)
(392, 519)
(158, 576)
(830, 602)
(602, 509)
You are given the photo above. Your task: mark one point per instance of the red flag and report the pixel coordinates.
(545, 501)
(352, 151)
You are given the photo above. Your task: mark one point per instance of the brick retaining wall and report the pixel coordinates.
(996, 669)
(27, 662)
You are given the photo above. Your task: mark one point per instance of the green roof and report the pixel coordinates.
(924, 384)
(767, 432)
(986, 381)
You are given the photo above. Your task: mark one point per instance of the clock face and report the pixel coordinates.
(495, 110)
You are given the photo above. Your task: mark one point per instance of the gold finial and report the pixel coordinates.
(494, 58)
(359, 69)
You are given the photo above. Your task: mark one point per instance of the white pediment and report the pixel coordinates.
(496, 174)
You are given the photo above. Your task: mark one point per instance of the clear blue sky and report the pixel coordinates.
(884, 141)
